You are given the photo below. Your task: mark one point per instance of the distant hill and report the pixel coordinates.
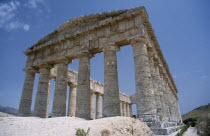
(198, 112)
(8, 110)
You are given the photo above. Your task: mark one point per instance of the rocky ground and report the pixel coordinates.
(66, 126)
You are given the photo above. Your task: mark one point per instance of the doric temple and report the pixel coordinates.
(83, 37)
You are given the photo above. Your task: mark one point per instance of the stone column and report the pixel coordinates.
(83, 87)
(124, 109)
(121, 108)
(155, 80)
(72, 100)
(41, 103)
(173, 109)
(26, 98)
(92, 109)
(144, 88)
(59, 103)
(111, 103)
(128, 110)
(165, 99)
(159, 90)
(98, 106)
(131, 112)
(48, 98)
(179, 113)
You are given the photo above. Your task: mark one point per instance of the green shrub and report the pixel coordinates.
(184, 129)
(190, 121)
(81, 132)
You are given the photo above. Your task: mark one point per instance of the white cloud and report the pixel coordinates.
(8, 11)
(34, 3)
(26, 27)
(9, 19)
(15, 25)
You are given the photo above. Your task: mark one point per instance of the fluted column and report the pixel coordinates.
(121, 108)
(124, 109)
(48, 98)
(144, 87)
(59, 103)
(128, 110)
(165, 100)
(155, 81)
(159, 90)
(26, 98)
(131, 112)
(179, 113)
(98, 106)
(41, 103)
(72, 100)
(111, 103)
(92, 111)
(83, 88)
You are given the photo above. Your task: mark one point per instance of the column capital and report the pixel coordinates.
(87, 54)
(139, 41)
(98, 94)
(111, 47)
(45, 65)
(63, 60)
(30, 69)
(71, 84)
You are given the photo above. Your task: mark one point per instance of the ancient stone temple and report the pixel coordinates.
(83, 37)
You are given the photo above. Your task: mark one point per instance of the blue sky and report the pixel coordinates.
(181, 26)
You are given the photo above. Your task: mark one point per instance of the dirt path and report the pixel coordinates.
(192, 131)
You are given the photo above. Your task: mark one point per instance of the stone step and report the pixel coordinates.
(165, 131)
(161, 124)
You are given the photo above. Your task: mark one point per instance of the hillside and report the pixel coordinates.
(198, 112)
(8, 111)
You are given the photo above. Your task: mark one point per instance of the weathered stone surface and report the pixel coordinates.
(155, 78)
(98, 106)
(131, 112)
(83, 88)
(121, 108)
(111, 102)
(128, 110)
(92, 111)
(59, 103)
(26, 98)
(124, 109)
(41, 104)
(144, 88)
(72, 100)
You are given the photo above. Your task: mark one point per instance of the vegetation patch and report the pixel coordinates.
(82, 132)
(184, 129)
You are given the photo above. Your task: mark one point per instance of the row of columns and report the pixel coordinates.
(152, 87)
(125, 109)
(81, 99)
(153, 90)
